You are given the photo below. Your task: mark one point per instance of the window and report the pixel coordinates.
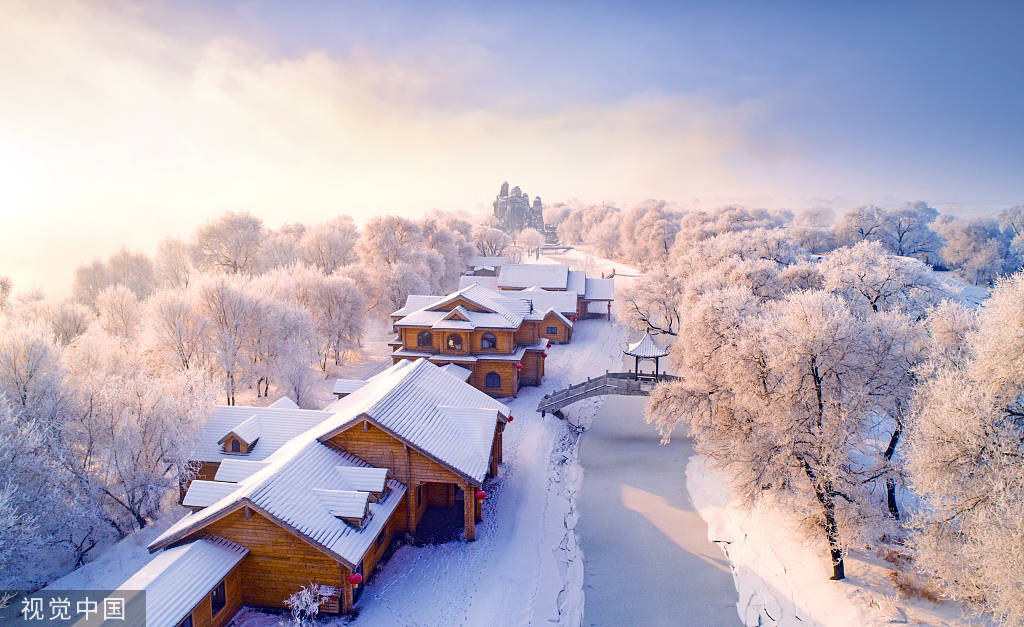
(552, 331)
(488, 341)
(217, 600)
(379, 541)
(425, 339)
(186, 622)
(454, 342)
(492, 380)
(235, 447)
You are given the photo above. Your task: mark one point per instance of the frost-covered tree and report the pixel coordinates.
(176, 330)
(131, 434)
(330, 245)
(862, 223)
(172, 264)
(231, 315)
(119, 311)
(305, 604)
(966, 457)
(784, 395)
(490, 242)
(978, 248)
(6, 286)
(229, 244)
(282, 248)
(31, 371)
(388, 240)
(531, 240)
(133, 271)
(68, 320)
(870, 277)
(90, 279)
(907, 232)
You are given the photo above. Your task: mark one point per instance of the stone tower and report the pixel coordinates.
(513, 211)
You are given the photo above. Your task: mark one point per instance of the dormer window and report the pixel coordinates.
(489, 340)
(425, 338)
(454, 342)
(350, 506)
(243, 438)
(235, 446)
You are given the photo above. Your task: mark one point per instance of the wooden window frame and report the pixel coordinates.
(222, 588)
(487, 380)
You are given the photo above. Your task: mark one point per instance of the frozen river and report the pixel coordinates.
(646, 554)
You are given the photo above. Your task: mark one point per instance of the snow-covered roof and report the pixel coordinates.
(489, 282)
(283, 403)
(277, 427)
(646, 347)
(177, 579)
(458, 371)
(576, 281)
(285, 491)
(234, 470)
(414, 302)
(406, 399)
(343, 503)
(523, 275)
(434, 412)
(362, 479)
(558, 315)
(248, 430)
(347, 386)
(599, 289)
(202, 493)
(490, 310)
(543, 300)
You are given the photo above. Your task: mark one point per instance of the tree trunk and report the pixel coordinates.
(890, 483)
(826, 498)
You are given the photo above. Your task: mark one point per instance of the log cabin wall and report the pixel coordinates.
(533, 368)
(379, 546)
(505, 369)
(279, 563)
(526, 334)
(202, 613)
(562, 330)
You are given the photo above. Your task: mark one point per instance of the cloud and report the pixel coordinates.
(123, 126)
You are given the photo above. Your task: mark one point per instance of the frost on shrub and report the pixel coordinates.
(305, 604)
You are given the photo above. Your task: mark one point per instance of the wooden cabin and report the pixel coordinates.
(324, 505)
(500, 339)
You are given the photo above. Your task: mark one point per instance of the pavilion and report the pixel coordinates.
(646, 348)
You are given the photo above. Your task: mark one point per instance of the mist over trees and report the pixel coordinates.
(102, 395)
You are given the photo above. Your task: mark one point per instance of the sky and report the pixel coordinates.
(122, 123)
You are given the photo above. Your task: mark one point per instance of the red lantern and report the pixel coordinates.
(480, 495)
(544, 355)
(355, 579)
(511, 418)
(549, 344)
(519, 366)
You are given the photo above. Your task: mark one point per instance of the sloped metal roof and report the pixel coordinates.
(203, 493)
(234, 470)
(177, 579)
(523, 275)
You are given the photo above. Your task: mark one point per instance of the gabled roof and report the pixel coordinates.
(362, 479)
(487, 261)
(347, 386)
(414, 302)
(646, 348)
(406, 399)
(599, 289)
(277, 426)
(177, 579)
(457, 371)
(523, 275)
(247, 431)
(343, 503)
(234, 470)
(203, 493)
(285, 492)
(543, 300)
(283, 403)
(446, 312)
(577, 281)
(558, 315)
(489, 282)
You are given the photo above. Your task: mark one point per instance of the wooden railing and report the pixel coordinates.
(618, 383)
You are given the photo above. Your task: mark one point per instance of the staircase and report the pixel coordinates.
(619, 383)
